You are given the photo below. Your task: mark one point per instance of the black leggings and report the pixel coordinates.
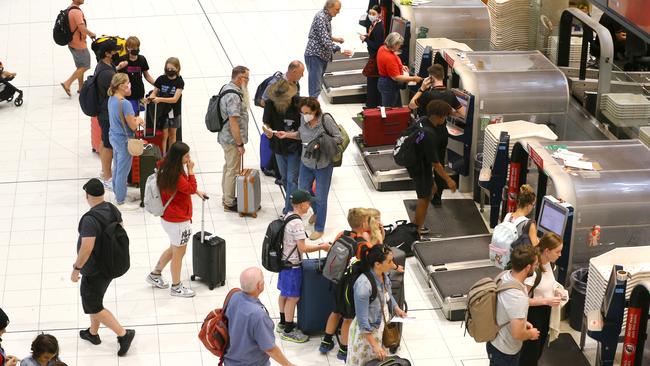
(539, 317)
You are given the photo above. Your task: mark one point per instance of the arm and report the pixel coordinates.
(148, 77)
(154, 92)
(523, 330)
(532, 233)
(276, 354)
(172, 100)
(80, 25)
(187, 186)
(86, 249)
(310, 248)
(131, 120)
(323, 36)
(413, 104)
(441, 171)
(235, 130)
(460, 112)
(295, 135)
(406, 79)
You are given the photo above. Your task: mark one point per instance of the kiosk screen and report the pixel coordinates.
(463, 99)
(398, 25)
(552, 217)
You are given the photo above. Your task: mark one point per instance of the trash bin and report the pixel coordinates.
(478, 164)
(578, 293)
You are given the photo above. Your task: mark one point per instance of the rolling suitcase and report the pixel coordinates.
(397, 285)
(95, 134)
(248, 191)
(316, 297)
(268, 166)
(208, 256)
(382, 126)
(146, 164)
(152, 133)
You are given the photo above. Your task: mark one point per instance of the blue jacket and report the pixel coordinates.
(368, 314)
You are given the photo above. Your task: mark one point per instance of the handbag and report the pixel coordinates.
(391, 335)
(134, 146)
(371, 70)
(337, 159)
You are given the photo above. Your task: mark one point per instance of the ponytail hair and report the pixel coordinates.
(117, 80)
(526, 196)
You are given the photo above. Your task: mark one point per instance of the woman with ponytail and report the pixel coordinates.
(525, 205)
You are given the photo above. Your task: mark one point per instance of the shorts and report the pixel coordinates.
(81, 57)
(92, 291)
(179, 232)
(105, 126)
(289, 282)
(172, 122)
(422, 179)
(340, 306)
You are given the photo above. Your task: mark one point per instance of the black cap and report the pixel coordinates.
(300, 196)
(4, 320)
(94, 187)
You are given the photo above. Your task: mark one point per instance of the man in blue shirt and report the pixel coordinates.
(252, 341)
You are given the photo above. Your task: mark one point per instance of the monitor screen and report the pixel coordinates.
(552, 217)
(398, 25)
(463, 99)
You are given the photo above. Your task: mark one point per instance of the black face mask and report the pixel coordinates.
(115, 57)
(170, 72)
(135, 52)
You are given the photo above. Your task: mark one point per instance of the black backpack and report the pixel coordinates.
(404, 152)
(273, 245)
(259, 92)
(213, 120)
(61, 32)
(354, 271)
(89, 96)
(111, 251)
(402, 235)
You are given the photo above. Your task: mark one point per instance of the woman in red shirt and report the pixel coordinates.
(178, 185)
(391, 71)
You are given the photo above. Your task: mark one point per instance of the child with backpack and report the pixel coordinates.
(136, 66)
(168, 89)
(290, 278)
(177, 185)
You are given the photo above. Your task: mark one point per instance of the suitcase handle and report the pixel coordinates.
(203, 219)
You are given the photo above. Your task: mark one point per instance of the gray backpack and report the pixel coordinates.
(338, 258)
(152, 198)
(213, 120)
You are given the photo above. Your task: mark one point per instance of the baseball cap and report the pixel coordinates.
(4, 319)
(94, 187)
(300, 196)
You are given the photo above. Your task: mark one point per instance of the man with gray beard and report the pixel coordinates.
(234, 135)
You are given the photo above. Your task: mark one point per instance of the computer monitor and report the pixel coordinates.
(463, 99)
(398, 25)
(552, 217)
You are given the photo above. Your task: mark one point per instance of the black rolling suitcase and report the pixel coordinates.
(397, 285)
(208, 256)
(316, 297)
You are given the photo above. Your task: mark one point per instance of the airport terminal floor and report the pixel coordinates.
(46, 157)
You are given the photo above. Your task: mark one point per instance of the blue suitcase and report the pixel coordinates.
(268, 165)
(316, 297)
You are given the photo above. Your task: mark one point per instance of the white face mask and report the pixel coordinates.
(307, 117)
(372, 18)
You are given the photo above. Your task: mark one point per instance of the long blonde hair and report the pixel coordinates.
(117, 80)
(376, 227)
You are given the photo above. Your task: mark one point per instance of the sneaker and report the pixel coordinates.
(232, 208)
(295, 336)
(108, 184)
(181, 291)
(86, 335)
(424, 230)
(279, 328)
(125, 342)
(316, 235)
(436, 201)
(342, 355)
(127, 206)
(325, 346)
(157, 281)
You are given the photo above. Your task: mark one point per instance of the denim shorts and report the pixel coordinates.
(289, 282)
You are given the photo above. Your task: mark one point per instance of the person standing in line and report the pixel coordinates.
(321, 45)
(168, 89)
(234, 135)
(136, 66)
(93, 283)
(373, 38)
(77, 46)
(391, 71)
(5, 360)
(525, 205)
(295, 72)
(178, 186)
(512, 310)
(250, 327)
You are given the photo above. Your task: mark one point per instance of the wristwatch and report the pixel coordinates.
(75, 267)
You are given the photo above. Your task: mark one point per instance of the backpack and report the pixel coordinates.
(338, 258)
(352, 273)
(503, 237)
(481, 315)
(273, 244)
(389, 361)
(404, 152)
(213, 120)
(214, 330)
(337, 159)
(112, 254)
(61, 33)
(259, 92)
(119, 41)
(402, 235)
(152, 197)
(89, 96)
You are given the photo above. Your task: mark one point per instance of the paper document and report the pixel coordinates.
(408, 319)
(586, 165)
(567, 155)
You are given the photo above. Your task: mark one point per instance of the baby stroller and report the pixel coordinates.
(7, 92)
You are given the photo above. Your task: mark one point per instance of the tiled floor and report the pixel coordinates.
(45, 157)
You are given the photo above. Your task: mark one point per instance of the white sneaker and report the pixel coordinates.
(108, 184)
(156, 281)
(127, 206)
(181, 291)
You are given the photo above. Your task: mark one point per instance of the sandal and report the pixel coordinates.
(67, 90)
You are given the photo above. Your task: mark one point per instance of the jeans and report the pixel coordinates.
(315, 68)
(121, 166)
(323, 179)
(229, 174)
(373, 98)
(289, 166)
(389, 90)
(498, 358)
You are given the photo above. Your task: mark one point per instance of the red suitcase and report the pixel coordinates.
(384, 128)
(95, 134)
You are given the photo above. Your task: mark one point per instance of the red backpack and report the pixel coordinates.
(214, 331)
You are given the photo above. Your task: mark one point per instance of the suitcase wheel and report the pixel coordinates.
(193, 278)
(141, 203)
(211, 287)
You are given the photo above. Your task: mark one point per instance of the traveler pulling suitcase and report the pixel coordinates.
(95, 134)
(382, 126)
(248, 191)
(316, 297)
(208, 256)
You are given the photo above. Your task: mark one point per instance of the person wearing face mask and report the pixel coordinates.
(374, 38)
(391, 71)
(512, 309)
(136, 67)
(234, 135)
(168, 89)
(122, 124)
(545, 293)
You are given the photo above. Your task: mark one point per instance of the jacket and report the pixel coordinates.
(180, 209)
(326, 131)
(369, 315)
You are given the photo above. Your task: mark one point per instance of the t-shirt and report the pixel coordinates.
(167, 88)
(438, 93)
(388, 63)
(75, 18)
(294, 230)
(135, 70)
(251, 332)
(89, 227)
(104, 74)
(30, 361)
(232, 105)
(546, 287)
(511, 304)
(117, 128)
(432, 145)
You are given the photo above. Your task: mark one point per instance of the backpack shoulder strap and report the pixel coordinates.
(229, 91)
(291, 218)
(233, 291)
